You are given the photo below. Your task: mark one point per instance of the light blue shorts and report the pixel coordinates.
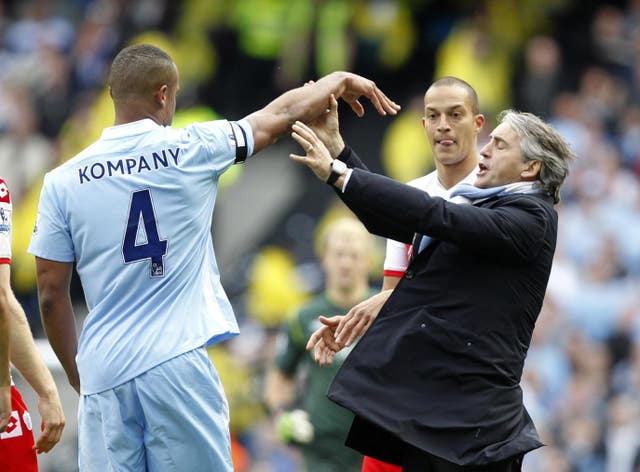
(174, 417)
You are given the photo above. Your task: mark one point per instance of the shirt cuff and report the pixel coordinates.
(347, 176)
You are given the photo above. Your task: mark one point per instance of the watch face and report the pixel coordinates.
(338, 167)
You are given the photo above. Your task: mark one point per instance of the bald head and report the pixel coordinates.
(140, 70)
(456, 82)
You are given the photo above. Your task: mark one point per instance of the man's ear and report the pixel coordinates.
(531, 170)
(160, 95)
(479, 120)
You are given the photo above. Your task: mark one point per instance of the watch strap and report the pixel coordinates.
(333, 177)
(338, 168)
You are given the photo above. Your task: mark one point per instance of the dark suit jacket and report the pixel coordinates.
(440, 367)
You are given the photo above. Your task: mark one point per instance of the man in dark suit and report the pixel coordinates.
(434, 383)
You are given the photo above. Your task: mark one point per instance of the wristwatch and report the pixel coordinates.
(338, 168)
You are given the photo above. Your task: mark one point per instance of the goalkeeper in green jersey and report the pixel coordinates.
(306, 417)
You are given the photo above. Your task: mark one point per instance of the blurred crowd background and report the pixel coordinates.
(574, 62)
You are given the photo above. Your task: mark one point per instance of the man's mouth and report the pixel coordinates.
(482, 169)
(445, 142)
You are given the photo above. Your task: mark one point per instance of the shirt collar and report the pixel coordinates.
(519, 187)
(129, 129)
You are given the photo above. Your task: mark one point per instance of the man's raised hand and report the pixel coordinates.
(322, 341)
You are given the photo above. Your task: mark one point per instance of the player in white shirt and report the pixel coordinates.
(134, 212)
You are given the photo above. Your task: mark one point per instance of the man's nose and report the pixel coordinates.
(443, 122)
(484, 152)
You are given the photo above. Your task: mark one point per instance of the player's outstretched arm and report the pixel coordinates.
(327, 128)
(26, 358)
(5, 379)
(54, 280)
(308, 102)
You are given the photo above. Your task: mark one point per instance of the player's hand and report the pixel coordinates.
(322, 341)
(317, 158)
(5, 406)
(327, 128)
(294, 426)
(357, 321)
(52, 423)
(358, 86)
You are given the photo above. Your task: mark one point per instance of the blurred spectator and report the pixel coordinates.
(629, 130)
(581, 438)
(541, 77)
(472, 54)
(38, 26)
(612, 45)
(25, 155)
(603, 95)
(386, 33)
(275, 288)
(623, 432)
(53, 91)
(96, 40)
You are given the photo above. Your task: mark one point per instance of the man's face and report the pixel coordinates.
(502, 161)
(450, 124)
(346, 261)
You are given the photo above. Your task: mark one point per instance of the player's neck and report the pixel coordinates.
(131, 114)
(349, 297)
(450, 175)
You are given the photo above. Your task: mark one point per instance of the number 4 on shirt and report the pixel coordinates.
(141, 212)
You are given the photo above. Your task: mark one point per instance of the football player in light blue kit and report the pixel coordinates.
(134, 212)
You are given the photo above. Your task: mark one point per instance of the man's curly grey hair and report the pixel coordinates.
(541, 142)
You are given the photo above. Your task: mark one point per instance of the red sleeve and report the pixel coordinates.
(5, 197)
(5, 223)
(370, 464)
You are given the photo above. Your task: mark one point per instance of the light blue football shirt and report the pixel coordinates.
(134, 211)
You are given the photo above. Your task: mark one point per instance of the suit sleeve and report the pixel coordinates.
(514, 227)
(367, 214)
(349, 157)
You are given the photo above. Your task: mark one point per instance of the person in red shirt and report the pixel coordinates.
(5, 377)
(18, 450)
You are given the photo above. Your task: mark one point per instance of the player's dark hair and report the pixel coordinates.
(138, 71)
